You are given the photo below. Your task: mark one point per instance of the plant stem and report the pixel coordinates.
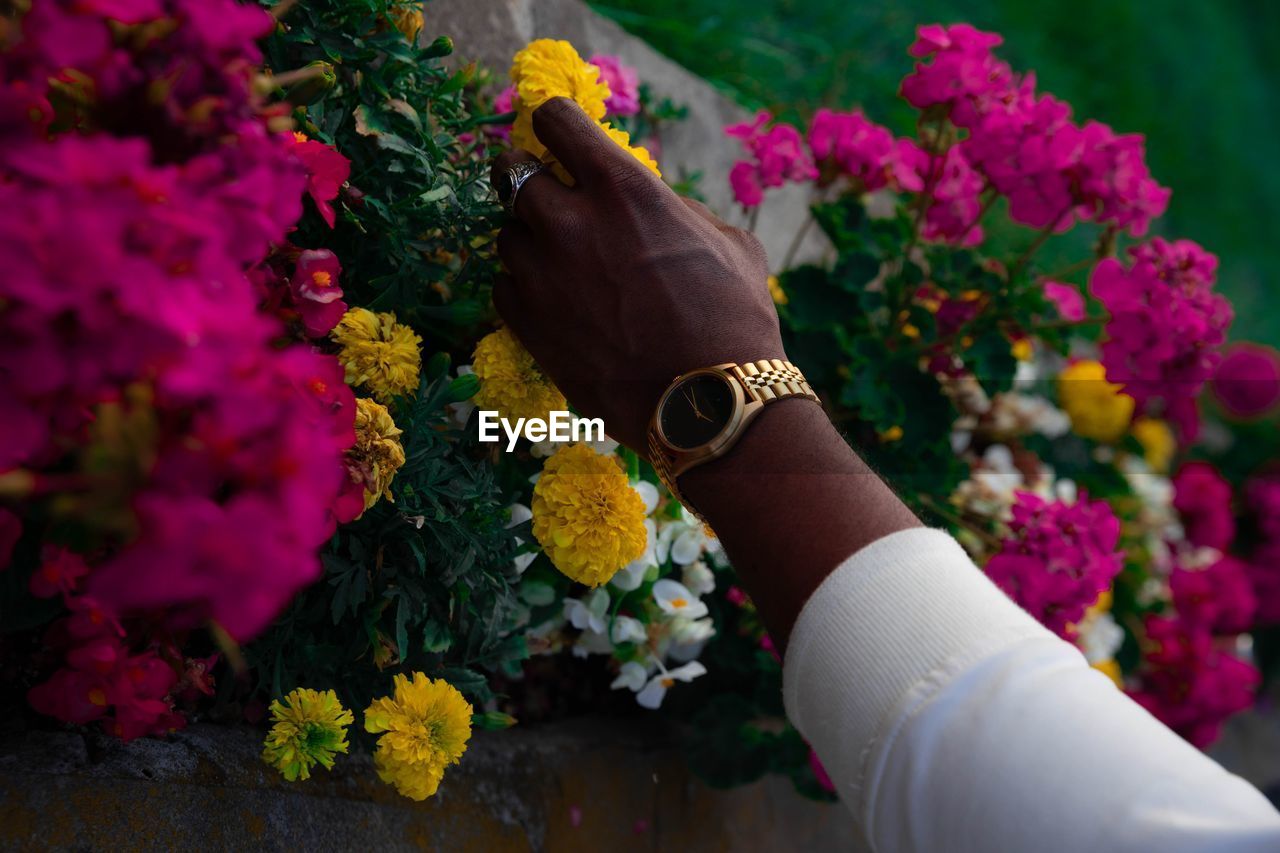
(992, 195)
(960, 520)
(797, 240)
(1022, 261)
(1069, 269)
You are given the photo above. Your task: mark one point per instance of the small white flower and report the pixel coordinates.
(588, 614)
(675, 599)
(684, 540)
(698, 578)
(648, 493)
(519, 515)
(688, 632)
(1100, 638)
(631, 675)
(653, 693)
(628, 630)
(546, 447)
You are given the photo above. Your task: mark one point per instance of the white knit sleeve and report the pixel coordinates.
(950, 720)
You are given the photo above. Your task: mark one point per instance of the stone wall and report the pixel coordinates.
(578, 786)
(491, 31)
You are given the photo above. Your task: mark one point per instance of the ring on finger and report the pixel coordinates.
(510, 182)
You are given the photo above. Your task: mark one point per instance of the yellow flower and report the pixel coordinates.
(424, 725)
(378, 353)
(511, 381)
(1158, 443)
(586, 516)
(775, 290)
(1022, 349)
(892, 434)
(1111, 670)
(310, 728)
(547, 69)
(1098, 409)
(377, 453)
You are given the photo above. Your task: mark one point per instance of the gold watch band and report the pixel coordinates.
(763, 382)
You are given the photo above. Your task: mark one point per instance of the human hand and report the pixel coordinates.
(617, 285)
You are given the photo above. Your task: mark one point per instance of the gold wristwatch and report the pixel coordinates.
(704, 412)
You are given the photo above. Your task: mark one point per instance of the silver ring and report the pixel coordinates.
(513, 179)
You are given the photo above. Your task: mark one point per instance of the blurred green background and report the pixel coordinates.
(1200, 79)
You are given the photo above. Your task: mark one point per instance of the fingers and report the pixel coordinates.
(704, 211)
(520, 253)
(539, 197)
(580, 145)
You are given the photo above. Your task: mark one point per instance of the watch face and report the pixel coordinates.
(697, 410)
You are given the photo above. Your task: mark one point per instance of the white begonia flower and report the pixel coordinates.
(631, 675)
(628, 630)
(588, 614)
(631, 575)
(460, 413)
(698, 578)
(652, 694)
(1066, 491)
(998, 473)
(519, 515)
(675, 599)
(684, 540)
(591, 643)
(648, 493)
(1100, 638)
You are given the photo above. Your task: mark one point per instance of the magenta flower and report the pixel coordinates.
(1264, 574)
(1218, 597)
(503, 102)
(1066, 300)
(1263, 496)
(963, 78)
(1188, 683)
(316, 291)
(623, 83)
(1058, 558)
(1247, 381)
(866, 153)
(1203, 499)
(778, 155)
(1166, 325)
(59, 573)
(327, 171)
(952, 214)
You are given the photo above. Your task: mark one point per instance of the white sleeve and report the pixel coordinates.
(949, 719)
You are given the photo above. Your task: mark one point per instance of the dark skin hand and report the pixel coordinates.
(617, 285)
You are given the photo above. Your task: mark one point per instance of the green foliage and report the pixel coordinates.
(424, 583)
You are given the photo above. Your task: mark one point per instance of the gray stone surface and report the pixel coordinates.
(491, 31)
(581, 785)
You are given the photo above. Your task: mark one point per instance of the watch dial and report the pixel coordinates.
(697, 410)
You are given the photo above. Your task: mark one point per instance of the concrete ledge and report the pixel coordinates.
(579, 785)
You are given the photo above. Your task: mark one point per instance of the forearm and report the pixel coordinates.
(790, 502)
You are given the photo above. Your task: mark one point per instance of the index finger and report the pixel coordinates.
(579, 143)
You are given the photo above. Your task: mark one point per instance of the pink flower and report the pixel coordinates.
(864, 152)
(316, 291)
(1188, 683)
(1263, 495)
(1247, 381)
(778, 155)
(623, 83)
(327, 171)
(59, 573)
(1218, 597)
(1264, 573)
(1203, 499)
(963, 76)
(1066, 300)
(504, 102)
(1166, 325)
(1058, 558)
(952, 214)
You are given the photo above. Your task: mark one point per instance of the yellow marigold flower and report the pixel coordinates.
(548, 68)
(1158, 443)
(378, 353)
(1022, 349)
(511, 381)
(1111, 670)
(377, 453)
(639, 152)
(776, 292)
(310, 728)
(424, 725)
(1098, 409)
(586, 516)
